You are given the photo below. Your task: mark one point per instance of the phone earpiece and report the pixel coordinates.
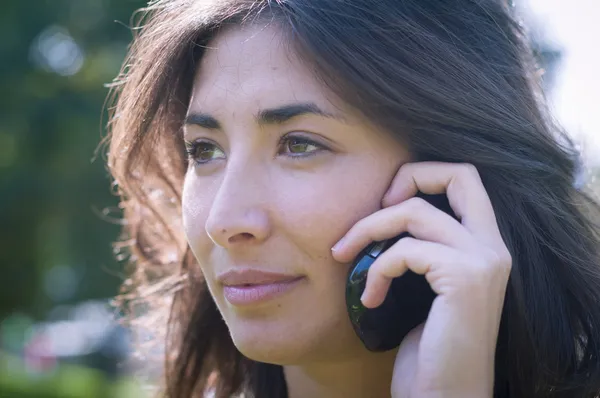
(406, 304)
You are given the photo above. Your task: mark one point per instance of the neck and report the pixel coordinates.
(368, 377)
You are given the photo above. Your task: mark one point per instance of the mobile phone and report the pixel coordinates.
(406, 304)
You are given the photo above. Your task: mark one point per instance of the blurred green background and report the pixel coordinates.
(58, 337)
(59, 270)
(56, 57)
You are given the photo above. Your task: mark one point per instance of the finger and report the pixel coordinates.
(462, 185)
(406, 362)
(408, 253)
(415, 216)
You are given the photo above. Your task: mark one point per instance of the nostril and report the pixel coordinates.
(241, 237)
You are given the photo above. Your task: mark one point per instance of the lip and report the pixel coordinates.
(242, 287)
(249, 276)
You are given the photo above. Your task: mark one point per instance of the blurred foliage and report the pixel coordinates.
(56, 57)
(66, 381)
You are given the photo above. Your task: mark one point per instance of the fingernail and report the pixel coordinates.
(338, 245)
(363, 297)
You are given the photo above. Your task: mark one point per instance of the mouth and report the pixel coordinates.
(246, 287)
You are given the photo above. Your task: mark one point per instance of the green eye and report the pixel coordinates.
(203, 152)
(299, 145)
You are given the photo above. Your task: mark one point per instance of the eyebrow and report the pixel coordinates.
(270, 116)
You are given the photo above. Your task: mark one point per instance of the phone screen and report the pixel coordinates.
(406, 304)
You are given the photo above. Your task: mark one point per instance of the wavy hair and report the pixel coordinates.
(459, 80)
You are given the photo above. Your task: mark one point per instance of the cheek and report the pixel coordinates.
(325, 206)
(195, 207)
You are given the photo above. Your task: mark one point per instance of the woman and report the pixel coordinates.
(249, 137)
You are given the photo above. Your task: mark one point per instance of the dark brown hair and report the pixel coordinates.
(458, 78)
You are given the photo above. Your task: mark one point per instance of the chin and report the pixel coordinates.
(277, 341)
(273, 342)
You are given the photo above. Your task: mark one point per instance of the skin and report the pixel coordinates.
(253, 201)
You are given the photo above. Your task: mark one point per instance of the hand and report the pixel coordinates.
(466, 263)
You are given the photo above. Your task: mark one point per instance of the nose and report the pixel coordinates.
(240, 211)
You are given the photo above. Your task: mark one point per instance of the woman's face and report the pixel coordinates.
(280, 170)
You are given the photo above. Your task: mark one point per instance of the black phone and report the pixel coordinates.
(406, 304)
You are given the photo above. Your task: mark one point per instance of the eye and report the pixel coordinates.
(201, 152)
(296, 146)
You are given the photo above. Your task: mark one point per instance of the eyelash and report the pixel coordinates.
(191, 147)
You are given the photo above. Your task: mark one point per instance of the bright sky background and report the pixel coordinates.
(573, 26)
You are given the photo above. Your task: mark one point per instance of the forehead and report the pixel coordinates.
(254, 67)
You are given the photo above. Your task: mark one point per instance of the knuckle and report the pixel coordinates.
(499, 259)
(415, 207)
(406, 243)
(407, 165)
(468, 169)
(416, 204)
(407, 170)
